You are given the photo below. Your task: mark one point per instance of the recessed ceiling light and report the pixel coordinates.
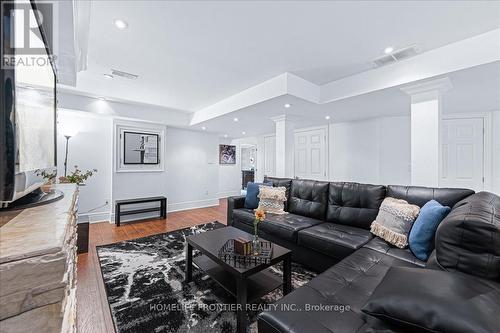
(225, 135)
(287, 105)
(121, 24)
(203, 128)
(235, 119)
(101, 98)
(243, 132)
(108, 76)
(388, 50)
(327, 117)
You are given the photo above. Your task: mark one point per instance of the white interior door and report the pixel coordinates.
(269, 155)
(310, 154)
(462, 151)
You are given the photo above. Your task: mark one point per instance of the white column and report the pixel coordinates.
(425, 128)
(284, 146)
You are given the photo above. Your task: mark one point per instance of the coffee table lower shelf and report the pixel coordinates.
(258, 284)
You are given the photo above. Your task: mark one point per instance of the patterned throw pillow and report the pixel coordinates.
(272, 199)
(394, 221)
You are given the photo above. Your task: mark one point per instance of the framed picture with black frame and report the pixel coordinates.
(140, 148)
(227, 154)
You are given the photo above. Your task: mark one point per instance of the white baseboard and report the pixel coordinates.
(179, 206)
(227, 194)
(94, 217)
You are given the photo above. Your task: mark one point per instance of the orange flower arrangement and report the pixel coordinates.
(260, 215)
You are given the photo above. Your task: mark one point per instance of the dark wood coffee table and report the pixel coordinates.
(248, 283)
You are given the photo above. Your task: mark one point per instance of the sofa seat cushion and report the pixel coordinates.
(335, 240)
(349, 284)
(380, 245)
(284, 226)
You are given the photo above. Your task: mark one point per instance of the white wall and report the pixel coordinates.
(230, 174)
(373, 151)
(394, 153)
(190, 178)
(496, 151)
(90, 148)
(425, 120)
(192, 169)
(354, 151)
(131, 184)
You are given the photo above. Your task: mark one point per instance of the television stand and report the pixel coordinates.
(35, 198)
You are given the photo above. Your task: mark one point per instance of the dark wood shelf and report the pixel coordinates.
(140, 200)
(258, 285)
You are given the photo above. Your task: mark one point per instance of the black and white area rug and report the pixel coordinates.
(144, 281)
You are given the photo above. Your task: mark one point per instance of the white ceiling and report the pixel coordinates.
(192, 54)
(475, 89)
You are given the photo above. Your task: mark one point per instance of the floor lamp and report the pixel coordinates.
(66, 155)
(68, 133)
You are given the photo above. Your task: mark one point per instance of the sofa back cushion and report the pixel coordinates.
(419, 195)
(308, 198)
(354, 204)
(468, 239)
(281, 182)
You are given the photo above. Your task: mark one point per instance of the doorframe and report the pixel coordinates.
(487, 144)
(326, 128)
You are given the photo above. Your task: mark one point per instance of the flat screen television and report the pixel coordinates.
(28, 112)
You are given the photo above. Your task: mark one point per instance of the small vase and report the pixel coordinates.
(256, 249)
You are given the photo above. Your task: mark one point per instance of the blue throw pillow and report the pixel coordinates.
(422, 233)
(251, 199)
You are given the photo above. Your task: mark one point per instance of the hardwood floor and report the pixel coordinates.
(92, 306)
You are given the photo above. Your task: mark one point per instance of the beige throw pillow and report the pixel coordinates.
(272, 199)
(394, 221)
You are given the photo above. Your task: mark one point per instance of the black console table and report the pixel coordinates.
(162, 209)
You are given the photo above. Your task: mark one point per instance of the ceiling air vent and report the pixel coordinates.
(396, 56)
(125, 75)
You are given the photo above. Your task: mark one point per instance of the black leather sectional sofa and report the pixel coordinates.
(327, 229)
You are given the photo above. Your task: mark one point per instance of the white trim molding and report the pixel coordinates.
(427, 90)
(180, 206)
(94, 217)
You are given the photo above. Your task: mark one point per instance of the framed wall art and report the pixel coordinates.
(140, 148)
(227, 154)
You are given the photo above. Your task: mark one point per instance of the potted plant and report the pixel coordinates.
(49, 177)
(77, 176)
